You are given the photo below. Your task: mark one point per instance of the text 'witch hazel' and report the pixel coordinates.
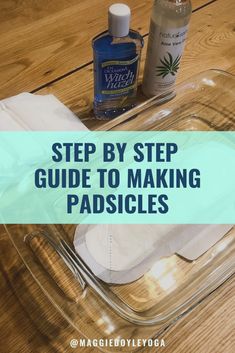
(116, 65)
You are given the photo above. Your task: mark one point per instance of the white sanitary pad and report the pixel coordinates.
(123, 253)
(37, 113)
(29, 112)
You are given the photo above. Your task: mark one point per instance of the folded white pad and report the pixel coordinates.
(35, 112)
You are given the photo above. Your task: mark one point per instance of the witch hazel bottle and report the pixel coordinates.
(167, 35)
(116, 65)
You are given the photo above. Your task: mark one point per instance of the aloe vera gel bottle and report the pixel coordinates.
(116, 65)
(167, 35)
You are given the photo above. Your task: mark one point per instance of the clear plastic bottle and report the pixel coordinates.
(116, 65)
(167, 35)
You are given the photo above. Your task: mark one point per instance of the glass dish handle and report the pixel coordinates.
(60, 250)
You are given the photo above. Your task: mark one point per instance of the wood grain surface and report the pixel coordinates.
(45, 47)
(29, 324)
(44, 40)
(210, 44)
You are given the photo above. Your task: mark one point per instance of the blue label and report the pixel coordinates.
(119, 76)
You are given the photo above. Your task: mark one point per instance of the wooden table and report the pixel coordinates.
(45, 48)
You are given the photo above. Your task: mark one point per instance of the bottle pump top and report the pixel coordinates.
(119, 20)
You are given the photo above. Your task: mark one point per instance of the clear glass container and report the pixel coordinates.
(173, 285)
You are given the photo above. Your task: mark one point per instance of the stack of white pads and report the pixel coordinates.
(37, 113)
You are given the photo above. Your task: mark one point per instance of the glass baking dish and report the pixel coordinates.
(144, 308)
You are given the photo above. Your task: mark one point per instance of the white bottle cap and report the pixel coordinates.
(119, 20)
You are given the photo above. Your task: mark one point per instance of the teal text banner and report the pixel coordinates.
(117, 177)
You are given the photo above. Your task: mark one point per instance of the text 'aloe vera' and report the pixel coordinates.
(167, 35)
